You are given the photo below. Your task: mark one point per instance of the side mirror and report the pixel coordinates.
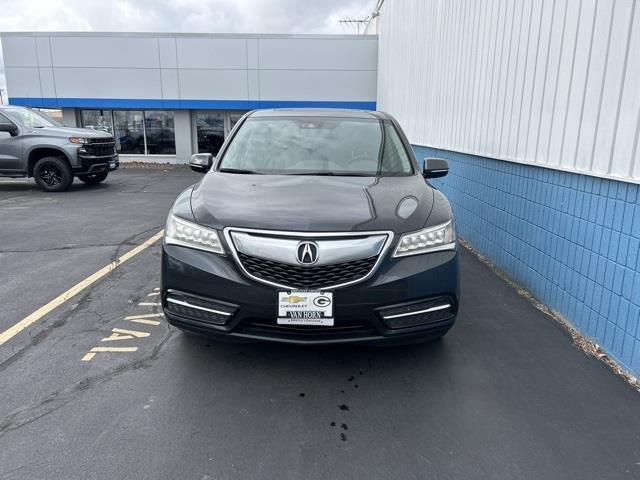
(201, 162)
(434, 168)
(10, 128)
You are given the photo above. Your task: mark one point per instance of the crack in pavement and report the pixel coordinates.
(60, 398)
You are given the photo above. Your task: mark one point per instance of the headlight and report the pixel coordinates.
(432, 239)
(78, 140)
(188, 234)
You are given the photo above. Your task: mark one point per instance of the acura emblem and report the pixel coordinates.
(307, 253)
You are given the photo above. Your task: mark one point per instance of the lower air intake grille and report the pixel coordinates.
(429, 312)
(198, 308)
(318, 276)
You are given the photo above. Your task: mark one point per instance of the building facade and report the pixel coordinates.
(168, 96)
(536, 105)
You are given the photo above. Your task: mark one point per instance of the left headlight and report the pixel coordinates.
(78, 140)
(188, 234)
(431, 239)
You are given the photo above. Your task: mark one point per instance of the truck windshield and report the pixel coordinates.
(317, 146)
(31, 118)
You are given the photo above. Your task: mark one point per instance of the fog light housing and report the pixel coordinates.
(424, 313)
(198, 309)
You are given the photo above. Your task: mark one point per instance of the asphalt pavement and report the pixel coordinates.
(102, 388)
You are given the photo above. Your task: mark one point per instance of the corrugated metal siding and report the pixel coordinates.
(554, 83)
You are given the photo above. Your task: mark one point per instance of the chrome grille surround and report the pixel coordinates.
(313, 236)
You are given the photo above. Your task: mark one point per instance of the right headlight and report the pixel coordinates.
(431, 239)
(188, 234)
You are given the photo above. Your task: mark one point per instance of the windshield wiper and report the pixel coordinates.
(333, 174)
(239, 170)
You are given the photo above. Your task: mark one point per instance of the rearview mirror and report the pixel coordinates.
(10, 128)
(201, 162)
(434, 168)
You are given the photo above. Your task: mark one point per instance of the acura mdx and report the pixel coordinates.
(312, 226)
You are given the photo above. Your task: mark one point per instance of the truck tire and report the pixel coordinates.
(93, 178)
(53, 174)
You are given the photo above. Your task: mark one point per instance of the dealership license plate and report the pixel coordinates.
(305, 308)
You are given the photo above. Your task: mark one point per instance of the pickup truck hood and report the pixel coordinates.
(312, 203)
(69, 132)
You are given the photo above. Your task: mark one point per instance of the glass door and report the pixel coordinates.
(209, 131)
(129, 131)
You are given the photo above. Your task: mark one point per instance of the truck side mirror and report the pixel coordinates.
(201, 162)
(435, 167)
(10, 128)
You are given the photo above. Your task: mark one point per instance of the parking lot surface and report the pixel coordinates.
(101, 387)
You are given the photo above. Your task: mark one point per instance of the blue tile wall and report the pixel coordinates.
(571, 240)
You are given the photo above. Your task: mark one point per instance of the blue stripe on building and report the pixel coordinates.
(141, 103)
(571, 240)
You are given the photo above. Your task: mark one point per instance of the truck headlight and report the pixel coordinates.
(188, 234)
(78, 140)
(431, 239)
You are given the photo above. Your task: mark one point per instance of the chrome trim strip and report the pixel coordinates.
(310, 235)
(187, 304)
(330, 252)
(418, 312)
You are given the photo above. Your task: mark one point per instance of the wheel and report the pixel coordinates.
(93, 178)
(53, 174)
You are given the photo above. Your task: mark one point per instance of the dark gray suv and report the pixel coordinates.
(312, 226)
(34, 145)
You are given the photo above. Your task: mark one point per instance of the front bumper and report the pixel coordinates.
(89, 164)
(249, 309)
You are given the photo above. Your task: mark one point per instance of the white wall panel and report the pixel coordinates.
(318, 53)
(200, 84)
(19, 52)
(554, 83)
(91, 66)
(23, 81)
(222, 53)
(317, 85)
(107, 83)
(105, 51)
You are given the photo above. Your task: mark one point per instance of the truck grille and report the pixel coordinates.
(307, 277)
(101, 147)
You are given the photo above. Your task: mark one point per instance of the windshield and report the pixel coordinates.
(317, 146)
(31, 118)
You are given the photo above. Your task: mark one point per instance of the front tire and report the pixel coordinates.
(53, 174)
(94, 178)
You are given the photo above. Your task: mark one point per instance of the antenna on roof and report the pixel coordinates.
(356, 21)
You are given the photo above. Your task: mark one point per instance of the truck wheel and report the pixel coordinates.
(94, 178)
(53, 174)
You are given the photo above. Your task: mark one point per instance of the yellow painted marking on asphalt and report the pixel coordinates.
(145, 321)
(144, 315)
(94, 350)
(149, 304)
(73, 291)
(122, 334)
(145, 318)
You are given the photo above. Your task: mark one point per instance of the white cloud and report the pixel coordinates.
(207, 16)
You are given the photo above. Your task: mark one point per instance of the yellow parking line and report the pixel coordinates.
(92, 353)
(73, 291)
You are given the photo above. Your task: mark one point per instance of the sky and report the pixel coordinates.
(183, 16)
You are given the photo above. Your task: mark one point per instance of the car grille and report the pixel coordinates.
(315, 276)
(100, 147)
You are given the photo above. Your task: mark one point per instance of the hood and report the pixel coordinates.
(312, 203)
(70, 132)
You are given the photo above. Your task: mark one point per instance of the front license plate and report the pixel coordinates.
(305, 308)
